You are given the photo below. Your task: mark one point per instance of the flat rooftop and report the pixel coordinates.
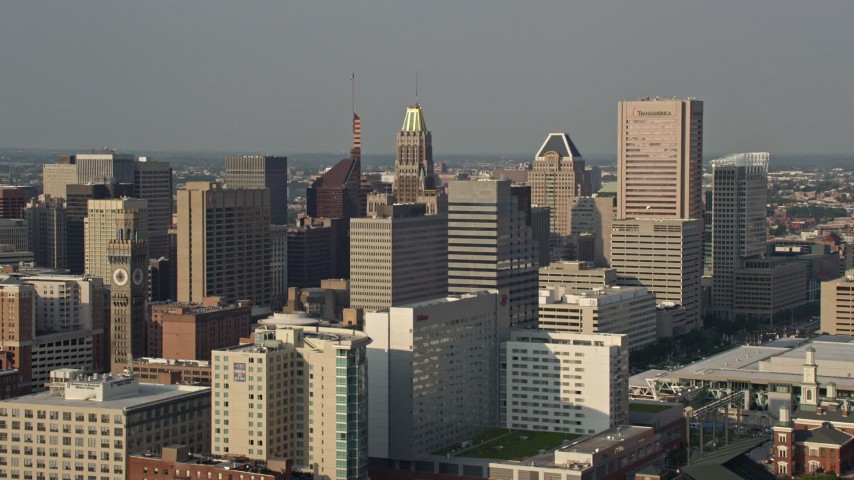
(147, 393)
(604, 440)
(765, 364)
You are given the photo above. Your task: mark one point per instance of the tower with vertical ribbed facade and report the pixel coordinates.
(413, 164)
(739, 199)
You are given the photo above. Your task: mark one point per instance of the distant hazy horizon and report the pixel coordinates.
(494, 75)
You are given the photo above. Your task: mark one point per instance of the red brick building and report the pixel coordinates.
(176, 462)
(801, 448)
(190, 331)
(13, 200)
(819, 436)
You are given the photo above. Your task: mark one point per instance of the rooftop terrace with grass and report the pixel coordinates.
(504, 444)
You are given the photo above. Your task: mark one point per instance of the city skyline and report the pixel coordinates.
(177, 76)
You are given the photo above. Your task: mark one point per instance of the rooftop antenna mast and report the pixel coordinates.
(416, 88)
(353, 91)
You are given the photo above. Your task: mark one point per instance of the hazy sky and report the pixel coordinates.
(495, 76)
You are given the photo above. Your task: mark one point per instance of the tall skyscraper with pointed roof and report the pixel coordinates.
(413, 165)
(556, 179)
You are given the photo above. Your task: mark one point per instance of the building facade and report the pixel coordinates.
(86, 425)
(152, 181)
(614, 310)
(104, 168)
(398, 256)
(14, 199)
(109, 220)
(77, 208)
(189, 331)
(660, 159)
(312, 251)
(14, 232)
(593, 216)
(278, 266)
(224, 244)
(490, 243)
(413, 165)
(837, 305)
(666, 257)
(557, 177)
(57, 176)
(571, 277)
(128, 262)
(320, 421)
(739, 199)
(434, 373)
(46, 229)
(259, 172)
(70, 325)
(575, 363)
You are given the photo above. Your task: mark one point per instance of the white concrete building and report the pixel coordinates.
(629, 310)
(557, 381)
(434, 372)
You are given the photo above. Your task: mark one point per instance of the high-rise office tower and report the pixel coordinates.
(490, 243)
(153, 182)
(312, 251)
(127, 262)
(46, 225)
(105, 168)
(666, 257)
(224, 244)
(77, 207)
(56, 176)
(739, 199)
(258, 171)
(398, 256)
(278, 266)
(556, 178)
(322, 424)
(660, 159)
(108, 220)
(413, 165)
(13, 200)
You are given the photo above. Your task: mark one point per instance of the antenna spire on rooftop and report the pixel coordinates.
(353, 91)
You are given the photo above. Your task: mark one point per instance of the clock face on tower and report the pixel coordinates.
(120, 277)
(137, 276)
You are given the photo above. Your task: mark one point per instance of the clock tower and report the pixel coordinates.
(128, 263)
